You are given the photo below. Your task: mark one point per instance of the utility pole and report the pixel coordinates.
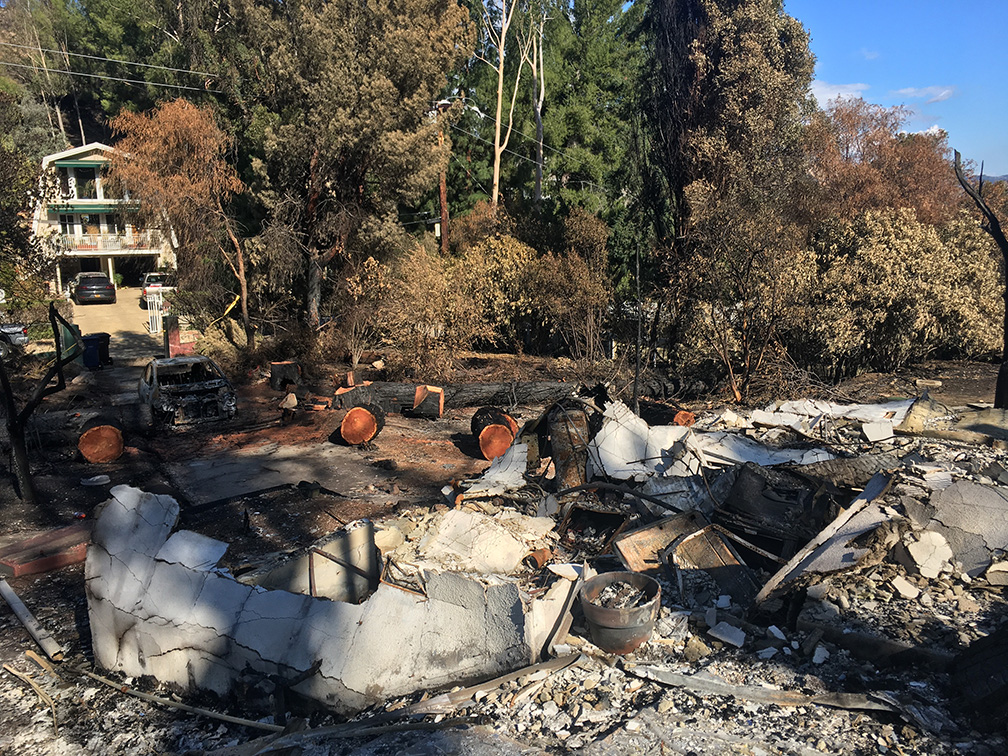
(442, 107)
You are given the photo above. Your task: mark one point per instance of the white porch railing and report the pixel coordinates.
(155, 311)
(113, 242)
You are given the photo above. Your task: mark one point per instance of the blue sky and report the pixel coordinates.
(947, 62)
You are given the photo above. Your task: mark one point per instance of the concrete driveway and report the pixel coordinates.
(131, 343)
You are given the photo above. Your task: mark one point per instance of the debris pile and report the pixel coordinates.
(807, 577)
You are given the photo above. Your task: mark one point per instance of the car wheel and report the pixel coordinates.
(5, 350)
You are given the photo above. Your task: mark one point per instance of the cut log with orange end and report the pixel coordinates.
(494, 440)
(428, 401)
(362, 424)
(102, 443)
(486, 415)
(684, 418)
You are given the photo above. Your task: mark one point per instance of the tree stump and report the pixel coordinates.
(284, 373)
(362, 424)
(494, 430)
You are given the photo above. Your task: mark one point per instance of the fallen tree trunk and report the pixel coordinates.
(395, 397)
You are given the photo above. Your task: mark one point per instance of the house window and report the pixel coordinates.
(66, 225)
(64, 181)
(89, 223)
(109, 191)
(115, 225)
(86, 183)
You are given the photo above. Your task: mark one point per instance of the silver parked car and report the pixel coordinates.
(12, 335)
(186, 390)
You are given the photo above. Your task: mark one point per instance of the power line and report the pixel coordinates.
(518, 155)
(109, 60)
(487, 117)
(475, 180)
(139, 82)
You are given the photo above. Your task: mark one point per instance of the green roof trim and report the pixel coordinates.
(92, 207)
(93, 163)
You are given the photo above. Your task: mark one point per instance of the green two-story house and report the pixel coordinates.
(94, 229)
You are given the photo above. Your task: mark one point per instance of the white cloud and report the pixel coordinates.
(824, 91)
(933, 130)
(868, 54)
(928, 94)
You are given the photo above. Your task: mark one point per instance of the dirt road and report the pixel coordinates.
(131, 342)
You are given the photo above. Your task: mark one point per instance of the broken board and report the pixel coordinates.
(690, 537)
(46, 551)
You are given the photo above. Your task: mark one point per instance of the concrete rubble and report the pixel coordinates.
(808, 547)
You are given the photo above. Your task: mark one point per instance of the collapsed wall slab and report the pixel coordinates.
(166, 611)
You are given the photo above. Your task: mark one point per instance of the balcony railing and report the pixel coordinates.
(113, 242)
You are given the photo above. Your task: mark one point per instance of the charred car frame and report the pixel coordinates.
(186, 390)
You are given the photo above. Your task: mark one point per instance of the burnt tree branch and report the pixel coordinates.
(992, 226)
(17, 421)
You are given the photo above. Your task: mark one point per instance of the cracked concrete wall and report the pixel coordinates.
(151, 614)
(974, 521)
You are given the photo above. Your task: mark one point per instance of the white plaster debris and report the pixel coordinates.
(197, 628)
(877, 431)
(905, 588)
(820, 655)
(894, 411)
(627, 448)
(720, 449)
(468, 541)
(728, 634)
(929, 551)
(506, 473)
(198, 552)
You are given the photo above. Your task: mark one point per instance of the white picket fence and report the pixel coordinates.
(155, 311)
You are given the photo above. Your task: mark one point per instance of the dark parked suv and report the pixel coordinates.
(92, 287)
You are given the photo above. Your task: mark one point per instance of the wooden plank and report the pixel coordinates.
(46, 551)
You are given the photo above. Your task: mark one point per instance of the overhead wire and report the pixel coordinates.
(516, 154)
(109, 60)
(139, 82)
(562, 153)
(469, 173)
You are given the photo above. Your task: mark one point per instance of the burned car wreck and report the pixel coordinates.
(189, 389)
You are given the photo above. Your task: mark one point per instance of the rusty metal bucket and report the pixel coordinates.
(620, 631)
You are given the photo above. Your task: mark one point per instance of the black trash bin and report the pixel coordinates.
(91, 353)
(103, 348)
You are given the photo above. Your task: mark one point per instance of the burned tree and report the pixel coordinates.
(993, 227)
(18, 421)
